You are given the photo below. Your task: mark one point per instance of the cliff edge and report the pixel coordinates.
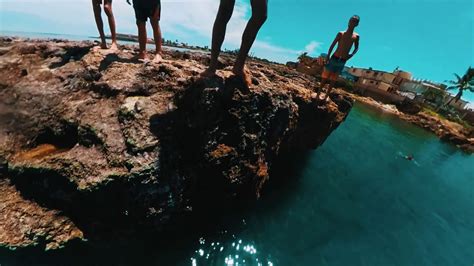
(91, 139)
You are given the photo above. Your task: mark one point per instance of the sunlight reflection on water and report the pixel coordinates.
(232, 253)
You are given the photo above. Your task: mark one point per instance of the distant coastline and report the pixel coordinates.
(444, 129)
(125, 37)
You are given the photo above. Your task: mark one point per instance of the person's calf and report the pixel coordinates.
(142, 38)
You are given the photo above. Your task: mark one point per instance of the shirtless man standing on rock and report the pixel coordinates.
(335, 64)
(100, 24)
(226, 8)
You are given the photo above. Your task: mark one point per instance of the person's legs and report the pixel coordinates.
(226, 8)
(141, 16)
(155, 24)
(142, 39)
(332, 82)
(325, 77)
(259, 16)
(98, 21)
(110, 16)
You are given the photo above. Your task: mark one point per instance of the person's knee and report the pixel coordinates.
(226, 9)
(108, 9)
(155, 19)
(260, 17)
(96, 7)
(225, 14)
(155, 23)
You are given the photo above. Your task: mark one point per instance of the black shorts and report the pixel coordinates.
(145, 9)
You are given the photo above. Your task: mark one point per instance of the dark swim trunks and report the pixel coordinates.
(145, 9)
(335, 65)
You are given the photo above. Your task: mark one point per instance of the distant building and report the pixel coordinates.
(396, 86)
(345, 74)
(460, 105)
(468, 116)
(381, 85)
(433, 94)
(381, 80)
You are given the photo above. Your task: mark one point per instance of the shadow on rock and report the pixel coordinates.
(111, 58)
(71, 53)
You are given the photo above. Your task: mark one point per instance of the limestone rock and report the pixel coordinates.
(119, 145)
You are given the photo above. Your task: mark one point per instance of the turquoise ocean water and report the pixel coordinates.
(357, 201)
(353, 201)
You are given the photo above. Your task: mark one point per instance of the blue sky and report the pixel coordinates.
(430, 38)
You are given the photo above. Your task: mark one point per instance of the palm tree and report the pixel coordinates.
(303, 55)
(461, 84)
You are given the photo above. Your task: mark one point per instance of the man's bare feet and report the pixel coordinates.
(244, 75)
(158, 58)
(102, 46)
(142, 57)
(208, 73)
(114, 46)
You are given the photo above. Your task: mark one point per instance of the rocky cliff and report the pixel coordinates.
(93, 143)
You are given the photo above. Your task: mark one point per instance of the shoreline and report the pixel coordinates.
(445, 130)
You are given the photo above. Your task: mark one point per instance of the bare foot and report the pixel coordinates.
(141, 57)
(244, 75)
(114, 47)
(208, 73)
(157, 58)
(99, 47)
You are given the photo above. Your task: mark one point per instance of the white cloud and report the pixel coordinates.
(186, 20)
(312, 47)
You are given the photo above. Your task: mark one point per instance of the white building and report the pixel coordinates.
(382, 80)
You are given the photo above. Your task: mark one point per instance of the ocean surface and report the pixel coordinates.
(354, 201)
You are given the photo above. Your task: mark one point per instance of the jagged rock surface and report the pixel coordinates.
(92, 140)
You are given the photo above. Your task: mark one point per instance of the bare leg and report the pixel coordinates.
(259, 16)
(110, 16)
(226, 8)
(142, 39)
(332, 83)
(99, 22)
(325, 80)
(155, 24)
